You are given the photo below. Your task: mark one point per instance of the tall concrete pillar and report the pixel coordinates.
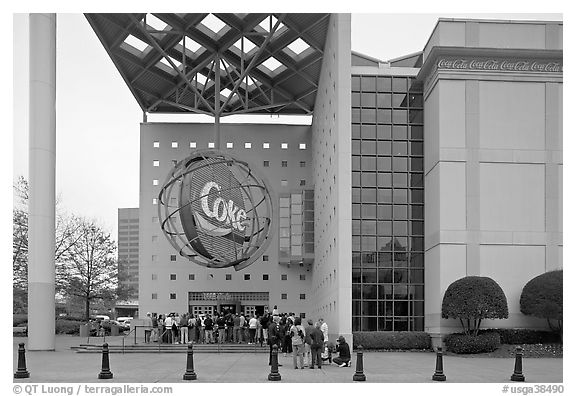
(42, 178)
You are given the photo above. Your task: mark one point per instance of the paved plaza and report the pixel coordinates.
(65, 365)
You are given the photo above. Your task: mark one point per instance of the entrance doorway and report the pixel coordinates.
(201, 309)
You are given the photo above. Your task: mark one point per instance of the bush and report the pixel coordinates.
(392, 339)
(524, 336)
(465, 343)
(64, 326)
(542, 297)
(473, 298)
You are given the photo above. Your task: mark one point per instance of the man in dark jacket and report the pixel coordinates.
(343, 349)
(274, 336)
(317, 345)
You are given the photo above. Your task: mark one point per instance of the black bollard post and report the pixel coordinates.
(439, 373)
(274, 374)
(518, 376)
(105, 373)
(21, 372)
(359, 374)
(189, 375)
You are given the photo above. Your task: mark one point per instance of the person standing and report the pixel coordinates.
(287, 343)
(343, 349)
(168, 328)
(229, 326)
(221, 323)
(241, 324)
(175, 330)
(148, 328)
(236, 329)
(252, 327)
(264, 322)
(308, 342)
(327, 354)
(208, 329)
(297, 333)
(202, 333)
(274, 336)
(192, 329)
(184, 329)
(317, 344)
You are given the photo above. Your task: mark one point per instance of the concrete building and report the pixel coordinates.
(424, 169)
(128, 249)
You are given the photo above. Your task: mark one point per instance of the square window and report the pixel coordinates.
(192, 144)
(284, 296)
(284, 183)
(302, 182)
(302, 146)
(266, 145)
(154, 201)
(246, 276)
(174, 144)
(228, 276)
(247, 145)
(154, 296)
(156, 163)
(211, 145)
(265, 277)
(172, 296)
(154, 276)
(172, 257)
(302, 164)
(229, 145)
(284, 277)
(155, 182)
(265, 257)
(156, 144)
(172, 277)
(191, 276)
(302, 277)
(266, 164)
(302, 296)
(284, 164)
(284, 146)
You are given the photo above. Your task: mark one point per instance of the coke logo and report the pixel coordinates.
(227, 213)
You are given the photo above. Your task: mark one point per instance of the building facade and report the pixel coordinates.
(414, 173)
(128, 250)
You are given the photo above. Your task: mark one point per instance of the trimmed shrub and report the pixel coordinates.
(524, 336)
(473, 298)
(465, 343)
(401, 340)
(64, 326)
(542, 297)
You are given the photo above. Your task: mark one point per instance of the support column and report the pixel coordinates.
(42, 178)
(217, 101)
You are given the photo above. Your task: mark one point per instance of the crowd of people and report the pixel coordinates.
(308, 344)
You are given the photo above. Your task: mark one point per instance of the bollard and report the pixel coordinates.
(439, 373)
(105, 373)
(21, 372)
(274, 374)
(518, 376)
(189, 375)
(359, 374)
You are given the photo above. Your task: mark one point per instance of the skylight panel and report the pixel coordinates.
(248, 45)
(298, 46)
(213, 23)
(226, 92)
(136, 43)
(191, 45)
(271, 63)
(201, 78)
(265, 24)
(165, 61)
(155, 23)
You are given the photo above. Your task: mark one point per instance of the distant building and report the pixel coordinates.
(128, 248)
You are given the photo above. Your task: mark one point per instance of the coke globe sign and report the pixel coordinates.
(216, 211)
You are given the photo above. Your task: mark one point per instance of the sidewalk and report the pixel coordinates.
(65, 365)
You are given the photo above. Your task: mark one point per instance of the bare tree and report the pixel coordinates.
(88, 269)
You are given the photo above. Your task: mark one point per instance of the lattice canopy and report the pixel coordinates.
(217, 64)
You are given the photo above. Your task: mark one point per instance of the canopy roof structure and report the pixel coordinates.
(217, 64)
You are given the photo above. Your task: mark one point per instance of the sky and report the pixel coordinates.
(98, 118)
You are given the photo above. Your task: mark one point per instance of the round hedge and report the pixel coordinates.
(464, 343)
(542, 296)
(475, 298)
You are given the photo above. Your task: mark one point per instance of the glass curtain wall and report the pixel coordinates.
(387, 204)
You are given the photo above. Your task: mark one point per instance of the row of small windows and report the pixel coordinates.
(247, 145)
(283, 277)
(283, 183)
(266, 164)
(283, 296)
